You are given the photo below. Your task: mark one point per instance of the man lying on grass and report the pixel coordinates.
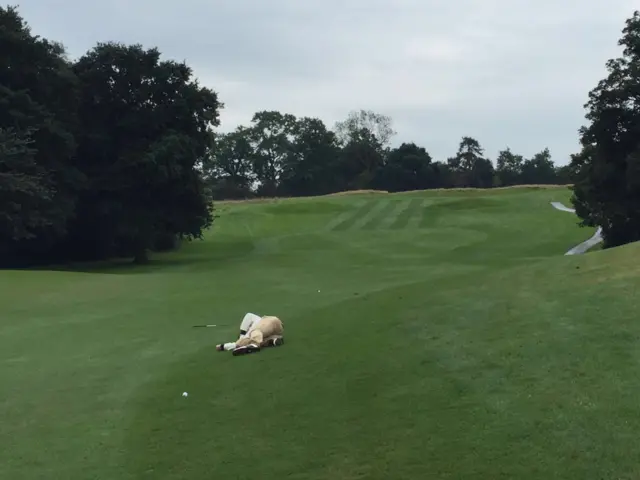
(255, 333)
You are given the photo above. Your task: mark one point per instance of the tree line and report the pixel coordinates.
(279, 154)
(100, 156)
(116, 153)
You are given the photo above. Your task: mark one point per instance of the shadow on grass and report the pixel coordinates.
(195, 256)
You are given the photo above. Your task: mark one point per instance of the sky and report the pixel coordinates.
(510, 73)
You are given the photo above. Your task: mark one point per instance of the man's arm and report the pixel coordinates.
(248, 320)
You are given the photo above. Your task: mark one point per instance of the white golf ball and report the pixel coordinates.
(185, 394)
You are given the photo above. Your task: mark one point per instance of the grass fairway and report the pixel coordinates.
(429, 335)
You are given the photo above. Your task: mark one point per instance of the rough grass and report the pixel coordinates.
(437, 335)
(276, 199)
(412, 192)
(491, 190)
(355, 192)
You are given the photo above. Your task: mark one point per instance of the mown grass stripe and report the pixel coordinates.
(417, 215)
(430, 214)
(400, 207)
(338, 219)
(407, 213)
(380, 215)
(357, 214)
(370, 215)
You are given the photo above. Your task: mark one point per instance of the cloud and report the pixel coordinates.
(508, 72)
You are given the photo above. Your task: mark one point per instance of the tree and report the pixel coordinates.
(508, 168)
(469, 168)
(38, 99)
(442, 175)
(27, 192)
(311, 165)
(564, 174)
(482, 174)
(380, 126)
(360, 159)
(271, 135)
(607, 188)
(578, 163)
(229, 170)
(407, 167)
(146, 129)
(539, 170)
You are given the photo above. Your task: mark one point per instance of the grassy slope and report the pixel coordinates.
(437, 335)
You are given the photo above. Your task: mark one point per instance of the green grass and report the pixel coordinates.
(429, 335)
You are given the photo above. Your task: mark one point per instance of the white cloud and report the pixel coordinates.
(509, 72)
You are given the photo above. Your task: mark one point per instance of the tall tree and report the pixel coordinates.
(564, 174)
(508, 167)
(539, 169)
(469, 168)
(360, 159)
(443, 177)
(380, 126)
(38, 100)
(310, 167)
(27, 193)
(272, 135)
(229, 170)
(146, 129)
(407, 167)
(607, 187)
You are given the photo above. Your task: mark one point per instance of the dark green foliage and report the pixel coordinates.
(229, 169)
(100, 157)
(280, 154)
(407, 167)
(271, 136)
(539, 170)
(469, 168)
(443, 176)
(38, 96)
(360, 159)
(27, 191)
(508, 168)
(564, 174)
(513, 169)
(311, 165)
(146, 127)
(607, 187)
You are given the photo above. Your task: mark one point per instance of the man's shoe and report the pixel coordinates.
(274, 342)
(220, 347)
(245, 350)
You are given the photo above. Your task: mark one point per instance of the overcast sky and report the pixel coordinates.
(508, 72)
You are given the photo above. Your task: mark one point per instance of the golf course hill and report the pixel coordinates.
(436, 334)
